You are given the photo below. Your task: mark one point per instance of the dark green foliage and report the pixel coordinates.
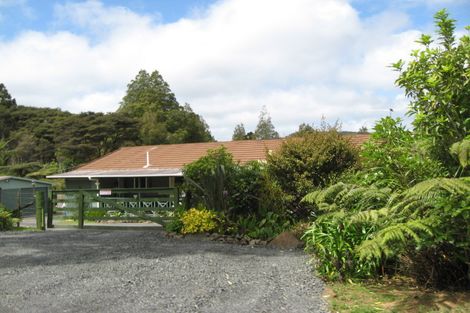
(87, 136)
(220, 184)
(7, 104)
(21, 169)
(308, 162)
(35, 140)
(6, 219)
(210, 178)
(365, 232)
(437, 82)
(249, 188)
(162, 119)
(39, 136)
(394, 157)
(175, 225)
(264, 226)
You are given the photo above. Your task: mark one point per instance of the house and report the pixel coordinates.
(160, 166)
(18, 193)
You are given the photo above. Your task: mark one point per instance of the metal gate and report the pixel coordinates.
(150, 204)
(22, 202)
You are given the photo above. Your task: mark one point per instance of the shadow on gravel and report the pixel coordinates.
(19, 250)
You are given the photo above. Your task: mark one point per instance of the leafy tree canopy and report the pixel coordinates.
(437, 81)
(162, 119)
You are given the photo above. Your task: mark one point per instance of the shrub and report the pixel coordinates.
(308, 162)
(6, 219)
(265, 227)
(248, 185)
(198, 221)
(209, 178)
(175, 224)
(221, 185)
(369, 228)
(394, 157)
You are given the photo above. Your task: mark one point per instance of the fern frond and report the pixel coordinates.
(369, 216)
(392, 238)
(329, 194)
(311, 197)
(449, 185)
(461, 150)
(373, 199)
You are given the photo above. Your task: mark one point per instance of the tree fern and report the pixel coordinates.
(461, 150)
(374, 225)
(391, 238)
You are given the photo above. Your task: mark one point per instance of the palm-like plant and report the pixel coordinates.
(376, 226)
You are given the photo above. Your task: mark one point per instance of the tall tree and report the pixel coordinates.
(265, 128)
(5, 98)
(148, 93)
(7, 105)
(437, 81)
(239, 132)
(162, 119)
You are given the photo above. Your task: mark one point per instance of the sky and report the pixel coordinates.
(302, 59)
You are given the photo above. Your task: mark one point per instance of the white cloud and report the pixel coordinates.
(301, 58)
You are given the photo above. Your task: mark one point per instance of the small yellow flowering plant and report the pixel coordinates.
(199, 221)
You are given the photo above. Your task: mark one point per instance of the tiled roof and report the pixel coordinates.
(175, 156)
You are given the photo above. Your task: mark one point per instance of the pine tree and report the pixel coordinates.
(239, 132)
(265, 128)
(5, 98)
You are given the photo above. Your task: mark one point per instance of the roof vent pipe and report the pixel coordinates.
(148, 160)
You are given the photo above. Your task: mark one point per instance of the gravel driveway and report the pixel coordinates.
(142, 271)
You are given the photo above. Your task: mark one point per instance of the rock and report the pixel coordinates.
(170, 234)
(286, 240)
(263, 242)
(254, 242)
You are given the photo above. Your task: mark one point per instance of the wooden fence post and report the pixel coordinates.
(40, 210)
(50, 212)
(81, 209)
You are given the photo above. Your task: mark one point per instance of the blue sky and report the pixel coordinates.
(303, 59)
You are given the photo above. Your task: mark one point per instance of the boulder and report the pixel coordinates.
(286, 240)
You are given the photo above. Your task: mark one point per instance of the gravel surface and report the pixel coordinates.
(142, 271)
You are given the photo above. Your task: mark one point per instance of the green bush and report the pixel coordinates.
(209, 178)
(265, 227)
(6, 220)
(219, 184)
(308, 162)
(395, 158)
(368, 228)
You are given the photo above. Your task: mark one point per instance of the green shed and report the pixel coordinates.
(17, 193)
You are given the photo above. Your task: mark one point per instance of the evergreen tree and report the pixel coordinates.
(239, 132)
(161, 118)
(363, 130)
(7, 105)
(265, 128)
(5, 98)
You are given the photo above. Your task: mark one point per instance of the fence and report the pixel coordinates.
(152, 204)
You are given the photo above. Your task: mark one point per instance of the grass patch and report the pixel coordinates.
(396, 295)
(21, 228)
